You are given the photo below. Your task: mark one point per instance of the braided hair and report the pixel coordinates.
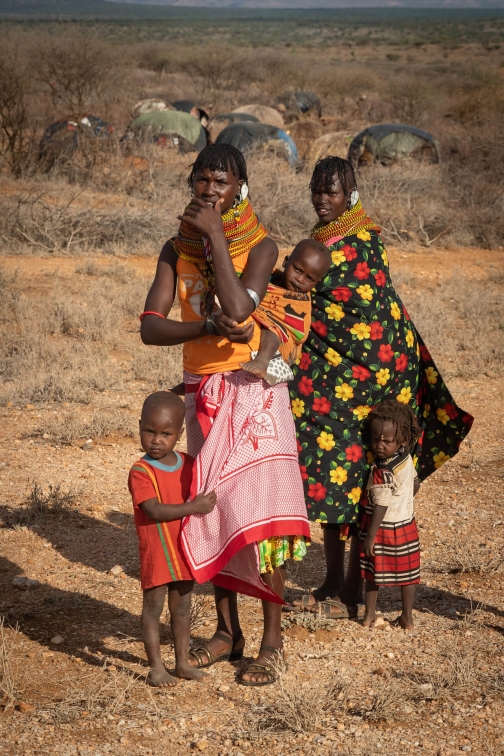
(402, 418)
(330, 168)
(220, 157)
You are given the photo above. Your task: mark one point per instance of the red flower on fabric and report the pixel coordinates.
(467, 419)
(305, 386)
(401, 363)
(317, 491)
(362, 271)
(342, 294)
(305, 361)
(450, 410)
(376, 331)
(425, 354)
(405, 313)
(299, 447)
(353, 453)
(319, 328)
(421, 439)
(321, 405)
(385, 353)
(304, 474)
(349, 252)
(380, 278)
(360, 372)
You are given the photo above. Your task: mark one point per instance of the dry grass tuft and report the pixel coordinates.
(38, 504)
(473, 558)
(198, 617)
(302, 707)
(102, 692)
(456, 674)
(70, 427)
(384, 703)
(7, 681)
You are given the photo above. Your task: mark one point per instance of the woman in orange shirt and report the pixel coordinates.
(239, 428)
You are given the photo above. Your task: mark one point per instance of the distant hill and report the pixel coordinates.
(171, 8)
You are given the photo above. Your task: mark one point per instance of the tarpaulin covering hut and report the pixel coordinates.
(64, 137)
(247, 136)
(219, 122)
(263, 113)
(188, 106)
(180, 128)
(389, 143)
(297, 102)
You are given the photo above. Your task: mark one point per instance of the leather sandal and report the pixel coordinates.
(229, 656)
(263, 669)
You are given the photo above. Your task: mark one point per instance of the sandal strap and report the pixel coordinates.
(271, 649)
(196, 652)
(263, 669)
(224, 637)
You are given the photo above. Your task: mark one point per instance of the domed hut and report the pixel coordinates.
(296, 103)
(150, 106)
(188, 106)
(304, 134)
(62, 138)
(169, 126)
(247, 136)
(218, 123)
(389, 143)
(335, 143)
(263, 113)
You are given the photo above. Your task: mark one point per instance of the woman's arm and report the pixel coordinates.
(231, 291)
(165, 332)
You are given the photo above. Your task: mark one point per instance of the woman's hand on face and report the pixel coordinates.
(205, 218)
(229, 329)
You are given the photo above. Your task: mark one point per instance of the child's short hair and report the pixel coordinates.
(164, 400)
(402, 418)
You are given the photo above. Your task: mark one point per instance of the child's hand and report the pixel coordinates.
(204, 503)
(368, 546)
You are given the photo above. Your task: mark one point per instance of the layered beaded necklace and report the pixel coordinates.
(350, 223)
(242, 230)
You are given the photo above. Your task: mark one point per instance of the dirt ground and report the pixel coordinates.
(72, 664)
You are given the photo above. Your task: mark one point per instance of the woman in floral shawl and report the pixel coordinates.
(362, 348)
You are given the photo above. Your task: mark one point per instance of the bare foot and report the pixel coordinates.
(406, 623)
(255, 367)
(187, 672)
(369, 618)
(160, 678)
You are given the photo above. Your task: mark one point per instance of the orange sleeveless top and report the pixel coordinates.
(209, 354)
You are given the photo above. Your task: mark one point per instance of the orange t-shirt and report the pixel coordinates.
(209, 354)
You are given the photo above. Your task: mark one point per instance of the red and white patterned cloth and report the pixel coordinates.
(242, 434)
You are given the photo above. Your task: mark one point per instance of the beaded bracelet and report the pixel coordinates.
(151, 312)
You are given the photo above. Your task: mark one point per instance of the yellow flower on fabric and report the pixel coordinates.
(442, 415)
(364, 235)
(404, 396)
(395, 311)
(362, 411)
(366, 292)
(338, 476)
(384, 257)
(334, 311)
(369, 457)
(338, 257)
(440, 459)
(382, 376)
(415, 460)
(355, 495)
(432, 375)
(426, 410)
(332, 357)
(326, 441)
(297, 406)
(410, 339)
(361, 330)
(345, 391)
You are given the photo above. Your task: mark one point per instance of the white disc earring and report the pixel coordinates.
(354, 197)
(244, 190)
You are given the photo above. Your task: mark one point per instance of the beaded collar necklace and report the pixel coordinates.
(242, 230)
(350, 223)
